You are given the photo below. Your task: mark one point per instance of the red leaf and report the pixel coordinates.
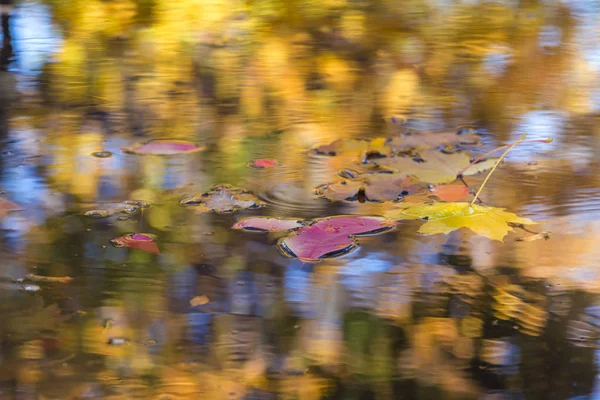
(7, 206)
(264, 163)
(139, 241)
(267, 224)
(330, 237)
(451, 192)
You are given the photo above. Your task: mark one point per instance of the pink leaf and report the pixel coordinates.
(264, 163)
(163, 148)
(7, 206)
(140, 241)
(267, 224)
(330, 237)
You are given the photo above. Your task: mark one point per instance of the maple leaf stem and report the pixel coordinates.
(521, 139)
(483, 156)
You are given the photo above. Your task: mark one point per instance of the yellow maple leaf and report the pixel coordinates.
(490, 222)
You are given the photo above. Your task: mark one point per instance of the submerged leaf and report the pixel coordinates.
(267, 224)
(163, 148)
(330, 237)
(434, 166)
(264, 163)
(140, 241)
(377, 188)
(222, 199)
(490, 222)
(429, 140)
(7, 206)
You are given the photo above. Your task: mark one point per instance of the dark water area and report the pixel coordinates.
(221, 313)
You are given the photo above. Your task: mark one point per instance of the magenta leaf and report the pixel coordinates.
(140, 241)
(267, 224)
(163, 148)
(264, 163)
(331, 237)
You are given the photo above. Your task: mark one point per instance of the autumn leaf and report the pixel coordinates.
(358, 146)
(376, 188)
(429, 140)
(490, 222)
(222, 199)
(140, 241)
(7, 206)
(434, 166)
(163, 148)
(451, 192)
(263, 163)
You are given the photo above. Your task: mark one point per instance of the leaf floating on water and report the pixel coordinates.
(140, 241)
(375, 188)
(50, 279)
(97, 213)
(264, 163)
(163, 148)
(7, 206)
(542, 235)
(222, 199)
(451, 192)
(267, 224)
(490, 222)
(431, 140)
(102, 154)
(199, 301)
(330, 237)
(434, 166)
(358, 146)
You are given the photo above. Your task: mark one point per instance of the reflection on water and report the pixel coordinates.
(221, 314)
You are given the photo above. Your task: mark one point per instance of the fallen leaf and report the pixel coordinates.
(434, 166)
(430, 140)
(490, 222)
(331, 237)
(199, 301)
(267, 224)
(358, 146)
(542, 235)
(222, 199)
(7, 206)
(163, 148)
(375, 188)
(451, 192)
(264, 163)
(140, 241)
(50, 279)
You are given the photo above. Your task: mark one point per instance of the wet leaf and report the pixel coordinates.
(50, 279)
(431, 140)
(267, 224)
(222, 199)
(7, 206)
(163, 148)
(542, 235)
(375, 188)
(140, 241)
(451, 192)
(199, 301)
(490, 222)
(358, 146)
(330, 237)
(264, 163)
(434, 166)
